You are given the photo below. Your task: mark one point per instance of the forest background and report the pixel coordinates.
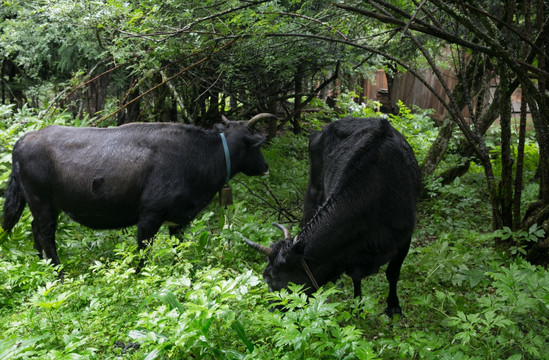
(474, 284)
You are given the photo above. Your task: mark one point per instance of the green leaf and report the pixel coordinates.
(239, 329)
(515, 357)
(203, 239)
(10, 348)
(153, 354)
(170, 299)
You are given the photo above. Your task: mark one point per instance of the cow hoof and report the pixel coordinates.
(61, 276)
(393, 311)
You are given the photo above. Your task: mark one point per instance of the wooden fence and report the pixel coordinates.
(412, 92)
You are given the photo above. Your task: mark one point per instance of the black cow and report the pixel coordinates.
(144, 174)
(359, 211)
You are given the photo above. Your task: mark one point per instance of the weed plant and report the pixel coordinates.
(201, 296)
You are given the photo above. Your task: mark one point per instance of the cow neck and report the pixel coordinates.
(315, 223)
(227, 157)
(309, 273)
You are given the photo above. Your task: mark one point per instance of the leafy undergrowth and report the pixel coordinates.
(202, 296)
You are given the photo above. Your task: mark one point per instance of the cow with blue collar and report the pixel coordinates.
(142, 174)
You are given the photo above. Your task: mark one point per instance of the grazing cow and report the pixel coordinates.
(359, 211)
(144, 174)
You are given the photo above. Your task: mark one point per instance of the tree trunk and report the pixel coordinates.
(131, 112)
(12, 91)
(484, 123)
(438, 148)
(2, 82)
(298, 89)
(521, 131)
(519, 167)
(390, 89)
(96, 94)
(506, 159)
(470, 81)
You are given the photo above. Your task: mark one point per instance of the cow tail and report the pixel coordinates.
(13, 205)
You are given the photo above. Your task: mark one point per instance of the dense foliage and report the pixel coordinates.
(108, 62)
(203, 297)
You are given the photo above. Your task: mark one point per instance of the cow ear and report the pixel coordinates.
(255, 139)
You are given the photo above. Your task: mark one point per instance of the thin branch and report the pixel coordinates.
(210, 87)
(405, 30)
(421, 28)
(204, 59)
(95, 78)
(187, 28)
(324, 24)
(494, 50)
(496, 45)
(277, 207)
(483, 13)
(216, 15)
(370, 49)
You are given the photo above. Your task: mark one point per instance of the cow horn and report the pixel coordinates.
(224, 120)
(262, 116)
(261, 248)
(285, 231)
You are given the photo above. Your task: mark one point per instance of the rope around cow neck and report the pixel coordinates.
(309, 273)
(227, 156)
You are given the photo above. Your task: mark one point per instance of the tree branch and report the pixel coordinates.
(424, 29)
(277, 206)
(164, 81)
(495, 49)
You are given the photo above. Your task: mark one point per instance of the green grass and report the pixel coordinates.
(204, 298)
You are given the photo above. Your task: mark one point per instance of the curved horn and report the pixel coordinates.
(285, 231)
(253, 121)
(224, 120)
(261, 248)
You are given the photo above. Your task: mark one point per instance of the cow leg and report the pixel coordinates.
(147, 227)
(393, 273)
(178, 232)
(36, 237)
(175, 230)
(44, 224)
(357, 284)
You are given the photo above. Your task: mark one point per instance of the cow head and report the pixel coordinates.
(285, 263)
(244, 144)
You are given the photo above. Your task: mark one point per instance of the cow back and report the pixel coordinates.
(367, 182)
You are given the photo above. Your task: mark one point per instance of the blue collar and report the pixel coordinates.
(227, 156)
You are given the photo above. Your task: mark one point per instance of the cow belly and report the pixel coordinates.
(102, 202)
(99, 212)
(367, 252)
(104, 218)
